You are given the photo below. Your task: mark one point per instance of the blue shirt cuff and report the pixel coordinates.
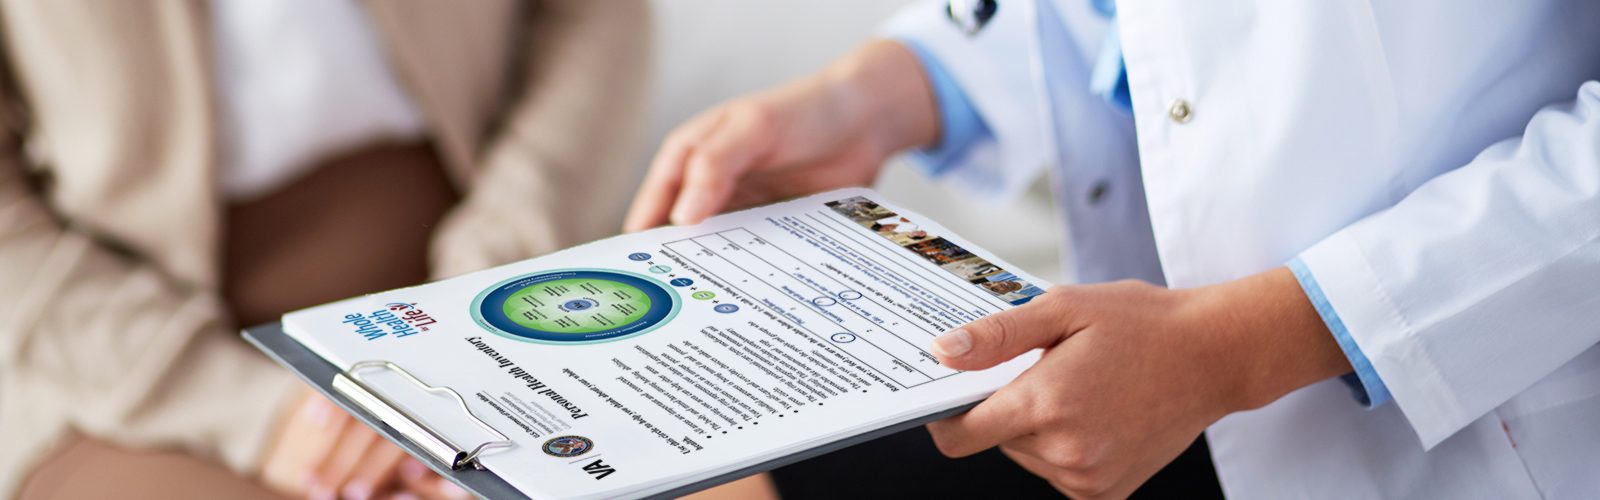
(1367, 387)
(959, 124)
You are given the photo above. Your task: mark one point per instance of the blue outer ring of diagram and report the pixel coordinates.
(489, 313)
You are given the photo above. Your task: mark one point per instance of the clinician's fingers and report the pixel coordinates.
(992, 422)
(653, 201)
(376, 472)
(1063, 455)
(1081, 484)
(996, 338)
(659, 192)
(1035, 466)
(720, 159)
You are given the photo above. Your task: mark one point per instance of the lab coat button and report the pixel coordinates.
(971, 15)
(1179, 112)
(1098, 192)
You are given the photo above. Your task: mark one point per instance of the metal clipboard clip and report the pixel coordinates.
(350, 384)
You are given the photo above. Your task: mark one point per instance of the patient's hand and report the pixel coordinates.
(322, 452)
(828, 131)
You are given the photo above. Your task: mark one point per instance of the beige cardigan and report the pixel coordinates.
(111, 323)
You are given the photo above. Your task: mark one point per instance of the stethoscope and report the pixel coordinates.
(971, 15)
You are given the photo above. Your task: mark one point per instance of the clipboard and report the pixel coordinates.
(458, 463)
(427, 445)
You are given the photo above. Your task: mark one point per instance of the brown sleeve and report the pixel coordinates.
(557, 173)
(98, 342)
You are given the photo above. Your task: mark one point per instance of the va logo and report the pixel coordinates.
(567, 446)
(598, 469)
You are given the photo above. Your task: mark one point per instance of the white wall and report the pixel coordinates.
(711, 50)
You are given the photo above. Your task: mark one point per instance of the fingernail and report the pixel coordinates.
(404, 495)
(321, 492)
(413, 469)
(358, 490)
(953, 343)
(682, 212)
(319, 412)
(452, 491)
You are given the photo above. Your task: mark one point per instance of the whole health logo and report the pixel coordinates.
(413, 315)
(567, 446)
(396, 319)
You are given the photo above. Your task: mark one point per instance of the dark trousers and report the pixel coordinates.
(906, 465)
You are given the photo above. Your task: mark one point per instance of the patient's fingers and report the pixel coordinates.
(422, 483)
(378, 471)
(304, 441)
(346, 455)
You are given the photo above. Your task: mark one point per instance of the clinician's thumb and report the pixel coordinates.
(999, 337)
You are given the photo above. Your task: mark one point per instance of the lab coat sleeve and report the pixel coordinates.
(959, 124)
(993, 69)
(1482, 281)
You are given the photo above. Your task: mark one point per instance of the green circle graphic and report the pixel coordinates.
(577, 305)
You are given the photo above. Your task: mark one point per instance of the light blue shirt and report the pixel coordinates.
(960, 127)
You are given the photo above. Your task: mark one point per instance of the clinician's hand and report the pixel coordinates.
(830, 130)
(1132, 373)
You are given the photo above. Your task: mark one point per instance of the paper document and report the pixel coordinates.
(644, 362)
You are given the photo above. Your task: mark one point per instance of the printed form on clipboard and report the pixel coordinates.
(684, 356)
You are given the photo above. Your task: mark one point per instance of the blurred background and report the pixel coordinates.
(706, 51)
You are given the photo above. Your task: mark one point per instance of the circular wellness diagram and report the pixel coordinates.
(575, 306)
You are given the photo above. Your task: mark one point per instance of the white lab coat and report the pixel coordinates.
(1434, 163)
